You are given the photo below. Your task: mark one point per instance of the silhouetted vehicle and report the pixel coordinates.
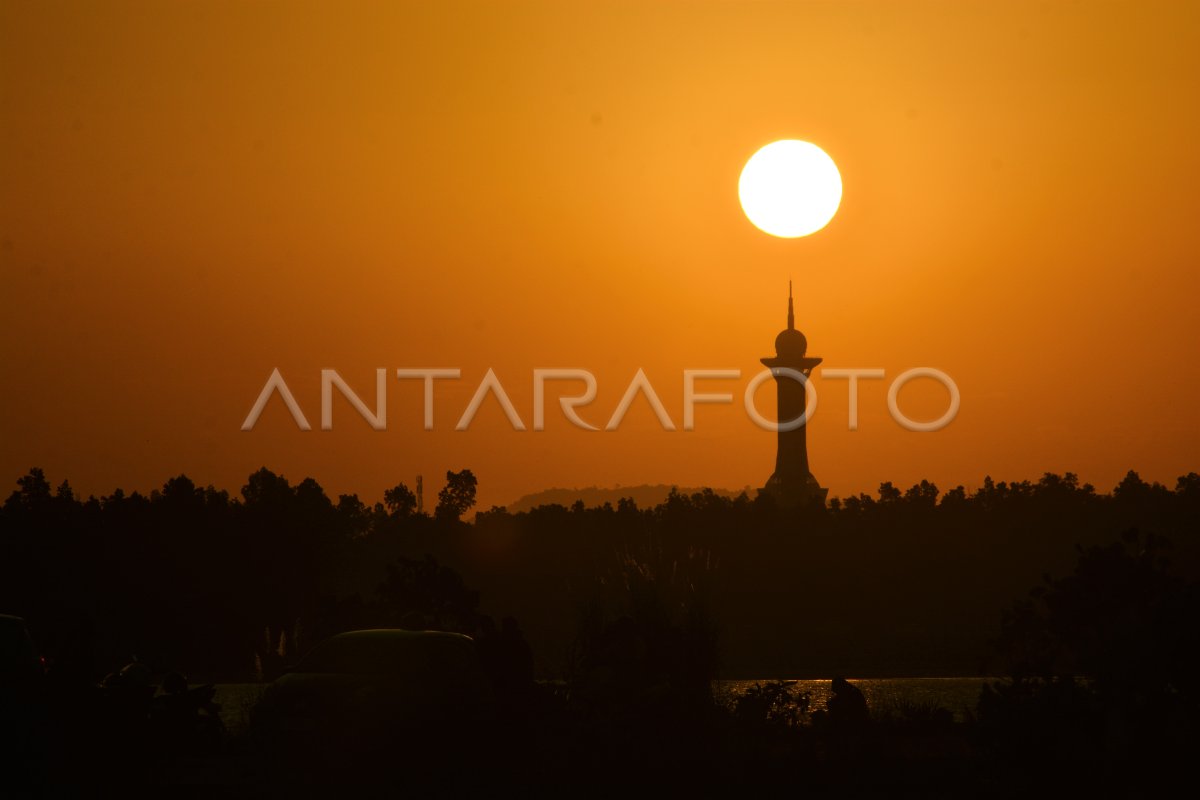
(363, 690)
(19, 661)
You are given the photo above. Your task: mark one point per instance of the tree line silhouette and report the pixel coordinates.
(902, 582)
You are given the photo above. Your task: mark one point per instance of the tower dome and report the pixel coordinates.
(790, 343)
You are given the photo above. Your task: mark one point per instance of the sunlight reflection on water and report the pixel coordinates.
(957, 695)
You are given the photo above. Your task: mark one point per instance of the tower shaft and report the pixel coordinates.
(792, 483)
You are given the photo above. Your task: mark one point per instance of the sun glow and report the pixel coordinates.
(790, 188)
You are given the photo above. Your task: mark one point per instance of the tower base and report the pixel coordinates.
(795, 491)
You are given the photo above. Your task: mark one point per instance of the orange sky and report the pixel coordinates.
(192, 194)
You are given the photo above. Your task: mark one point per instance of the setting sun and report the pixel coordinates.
(790, 188)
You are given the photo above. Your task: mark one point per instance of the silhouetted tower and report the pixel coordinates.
(420, 495)
(792, 484)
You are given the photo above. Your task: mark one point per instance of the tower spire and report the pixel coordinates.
(791, 313)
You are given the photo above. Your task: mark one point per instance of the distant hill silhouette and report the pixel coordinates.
(646, 496)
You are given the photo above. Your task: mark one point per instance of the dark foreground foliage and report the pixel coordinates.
(908, 582)
(635, 612)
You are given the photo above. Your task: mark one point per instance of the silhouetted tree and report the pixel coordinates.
(355, 516)
(423, 594)
(1118, 620)
(457, 496)
(955, 498)
(1103, 664)
(400, 501)
(649, 630)
(1188, 486)
(33, 491)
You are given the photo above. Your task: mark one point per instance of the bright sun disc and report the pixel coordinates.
(790, 188)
